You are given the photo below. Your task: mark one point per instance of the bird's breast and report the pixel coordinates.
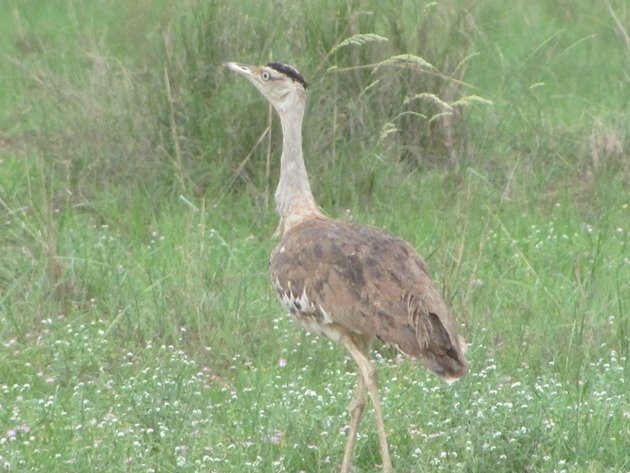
(316, 327)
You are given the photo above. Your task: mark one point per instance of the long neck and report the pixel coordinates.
(294, 199)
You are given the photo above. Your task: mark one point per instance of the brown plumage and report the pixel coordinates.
(361, 279)
(351, 283)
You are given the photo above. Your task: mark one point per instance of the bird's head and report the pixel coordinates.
(283, 85)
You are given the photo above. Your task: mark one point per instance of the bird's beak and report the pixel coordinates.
(241, 69)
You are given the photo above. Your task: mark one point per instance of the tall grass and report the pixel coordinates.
(136, 177)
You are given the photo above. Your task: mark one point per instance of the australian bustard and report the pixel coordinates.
(352, 283)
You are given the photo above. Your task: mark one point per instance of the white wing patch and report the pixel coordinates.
(312, 317)
(327, 318)
(301, 304)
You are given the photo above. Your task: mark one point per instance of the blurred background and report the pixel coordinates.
(139, 331)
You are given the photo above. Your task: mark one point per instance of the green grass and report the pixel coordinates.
(138, 329)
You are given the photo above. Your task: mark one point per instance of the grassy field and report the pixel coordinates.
(138, 328)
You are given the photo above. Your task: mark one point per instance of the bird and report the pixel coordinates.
(351, 283)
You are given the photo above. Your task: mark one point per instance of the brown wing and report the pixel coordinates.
(370, 283)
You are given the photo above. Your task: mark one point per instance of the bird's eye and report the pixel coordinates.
(265, 76)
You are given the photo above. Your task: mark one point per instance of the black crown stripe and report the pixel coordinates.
(289, 71)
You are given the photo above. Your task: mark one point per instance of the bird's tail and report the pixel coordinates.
(442, 350)
(458, 365)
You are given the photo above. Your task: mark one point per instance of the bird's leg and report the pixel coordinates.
(359, 353)
(357, 406)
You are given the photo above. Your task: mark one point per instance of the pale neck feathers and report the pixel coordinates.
(294, 198)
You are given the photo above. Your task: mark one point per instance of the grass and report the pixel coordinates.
(138, 329)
